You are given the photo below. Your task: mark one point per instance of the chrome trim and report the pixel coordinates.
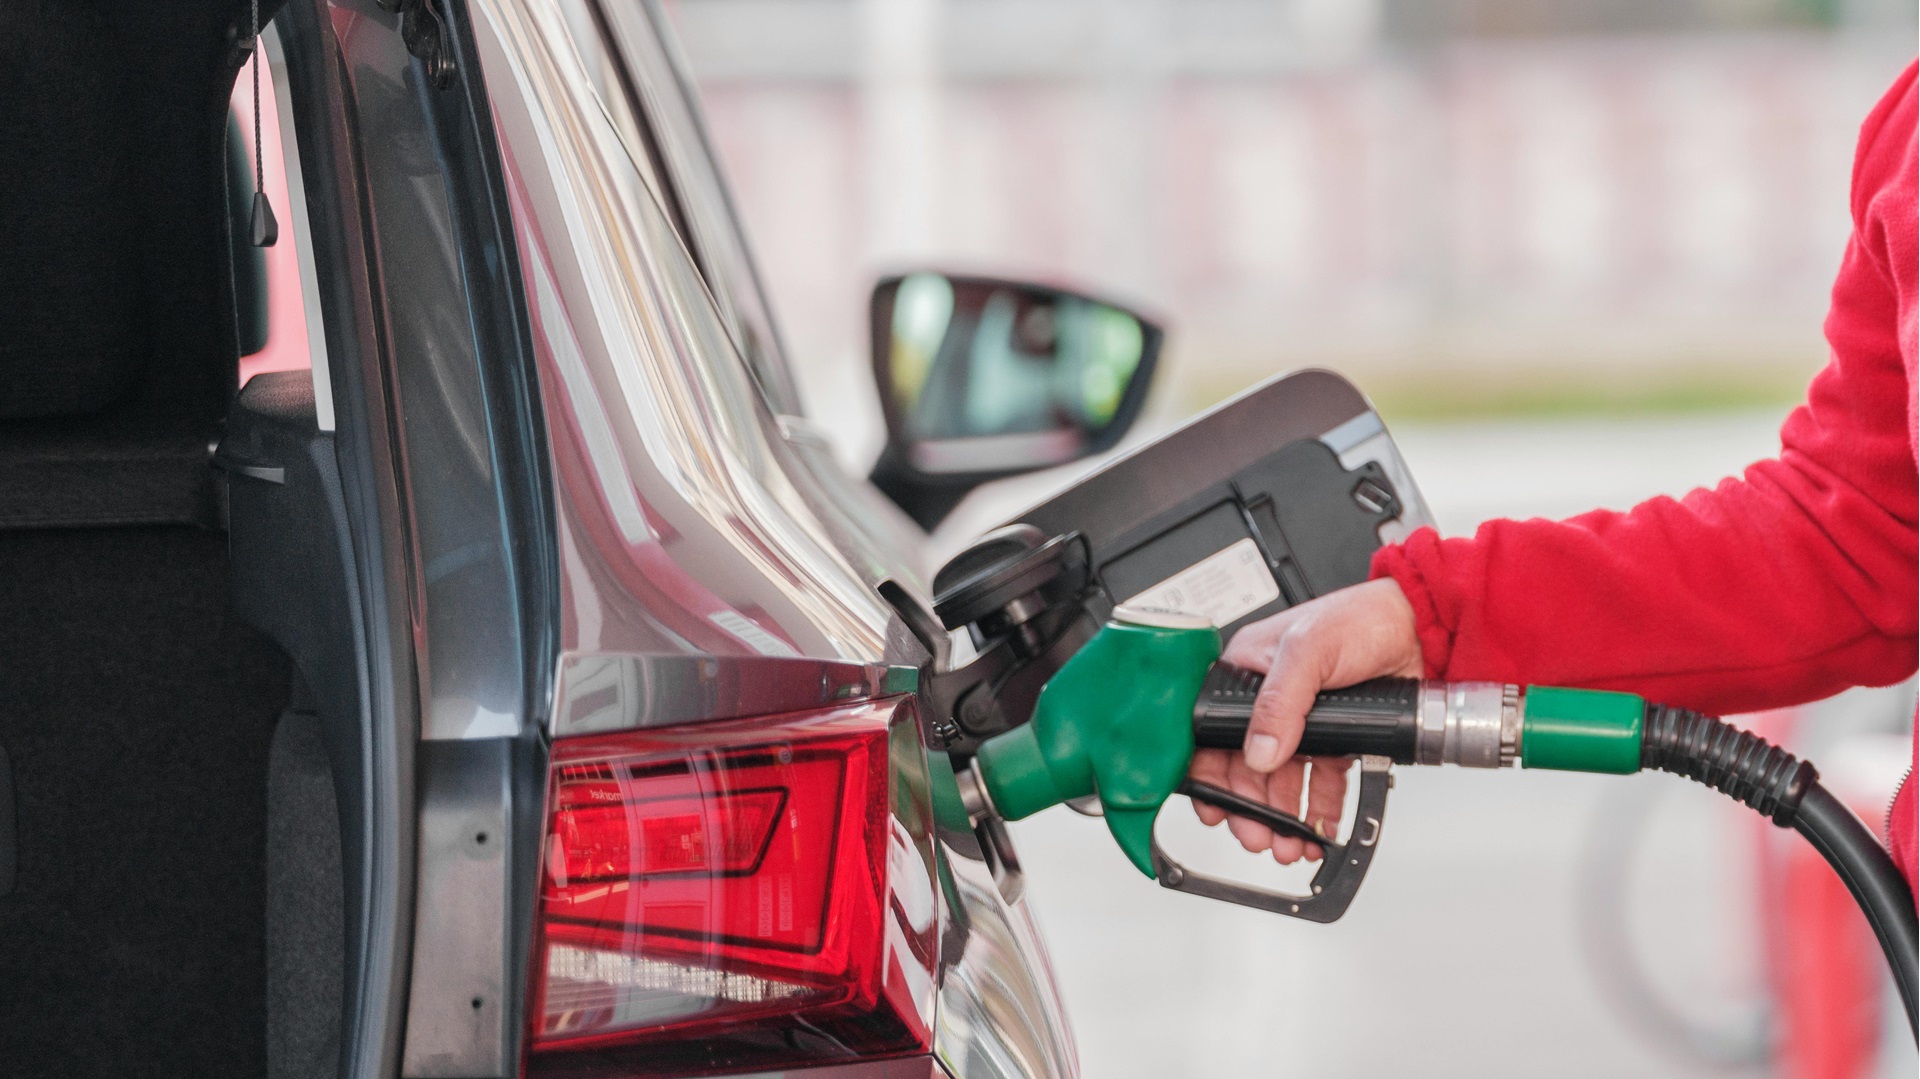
(1512, 724)
(614, 692)
(1430, 740)
(301, 228)
(1470, 724)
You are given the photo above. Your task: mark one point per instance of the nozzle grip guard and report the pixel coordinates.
(1338, 879)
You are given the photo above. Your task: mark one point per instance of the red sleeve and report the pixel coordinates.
(1782, 586)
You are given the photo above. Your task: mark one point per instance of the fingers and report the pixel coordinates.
(1338, 639)
(1209, 766)
(1326, 795)
(1283, 793)
(1326, 788)
(1323, 780)
(1252, 647)
(1295, 674)
(1250, 784)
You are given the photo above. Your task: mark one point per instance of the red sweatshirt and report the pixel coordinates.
(1786, 585)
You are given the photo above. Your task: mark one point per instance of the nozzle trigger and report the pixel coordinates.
(1279, 820)
(1339, 876)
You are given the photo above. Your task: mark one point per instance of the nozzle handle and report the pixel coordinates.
(1377, 718)
(1333, 886)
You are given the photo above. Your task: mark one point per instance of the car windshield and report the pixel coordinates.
(647, 93)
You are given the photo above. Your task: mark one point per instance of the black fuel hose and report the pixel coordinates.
(1753, 771)
(1383, 717)
(1871, 876)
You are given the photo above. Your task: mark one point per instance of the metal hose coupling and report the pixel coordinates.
(1471, 724)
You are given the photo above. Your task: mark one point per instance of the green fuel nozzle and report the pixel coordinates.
(1120, 721)
(1115, 722)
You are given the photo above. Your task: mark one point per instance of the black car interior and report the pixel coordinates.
(146, 728)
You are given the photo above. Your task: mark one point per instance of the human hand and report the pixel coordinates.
(1366, 631)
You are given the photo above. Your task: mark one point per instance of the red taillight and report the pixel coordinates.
(722, 895)
(606, 836)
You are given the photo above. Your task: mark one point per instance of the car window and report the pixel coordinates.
(647, 93)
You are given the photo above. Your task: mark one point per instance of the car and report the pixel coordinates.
(506, 680)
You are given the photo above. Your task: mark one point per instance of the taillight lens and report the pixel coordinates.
(730, 895)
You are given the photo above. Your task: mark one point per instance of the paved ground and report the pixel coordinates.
(1463, 956)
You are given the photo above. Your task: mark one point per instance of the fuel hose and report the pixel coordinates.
(1491, 725)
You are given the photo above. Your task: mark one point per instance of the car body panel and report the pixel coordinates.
(681, 529)
(714, 560)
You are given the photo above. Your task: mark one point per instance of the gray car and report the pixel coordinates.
(514, 684)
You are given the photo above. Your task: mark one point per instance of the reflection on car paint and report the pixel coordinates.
(999, 1017)
(701, 556)
(653, 417)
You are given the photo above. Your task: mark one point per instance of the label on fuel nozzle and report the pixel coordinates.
(1222, 587)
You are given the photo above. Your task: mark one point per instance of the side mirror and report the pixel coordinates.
(982, 378)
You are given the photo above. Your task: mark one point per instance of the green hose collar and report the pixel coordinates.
(1582, 730)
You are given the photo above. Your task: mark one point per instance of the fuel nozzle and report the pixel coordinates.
(1120, 720)
(1115, 722)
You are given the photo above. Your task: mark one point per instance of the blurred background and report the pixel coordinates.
(1577, 251)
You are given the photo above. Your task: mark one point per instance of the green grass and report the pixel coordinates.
(1471, 397)
(1430, 396)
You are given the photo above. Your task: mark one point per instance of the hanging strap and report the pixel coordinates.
(264, 228)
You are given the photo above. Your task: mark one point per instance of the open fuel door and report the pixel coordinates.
(1276, 496)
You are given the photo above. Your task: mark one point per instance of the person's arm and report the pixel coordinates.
(1783, 586)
